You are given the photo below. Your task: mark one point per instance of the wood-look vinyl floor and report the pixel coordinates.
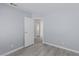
(39, 49)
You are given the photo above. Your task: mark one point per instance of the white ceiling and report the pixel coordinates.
(44, 9)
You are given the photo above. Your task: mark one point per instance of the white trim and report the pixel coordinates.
(58, 46)
(5, 54)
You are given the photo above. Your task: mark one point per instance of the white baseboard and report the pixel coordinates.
(5, 54)
(58, 46)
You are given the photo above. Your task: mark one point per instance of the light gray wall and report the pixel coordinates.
(11, 28)
(62, 27)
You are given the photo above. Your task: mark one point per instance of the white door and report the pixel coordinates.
(28, 31)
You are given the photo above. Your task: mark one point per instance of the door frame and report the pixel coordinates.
(41, 27)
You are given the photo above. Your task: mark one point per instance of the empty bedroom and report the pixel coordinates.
(39, 29)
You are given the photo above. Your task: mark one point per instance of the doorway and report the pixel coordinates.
(38, 30)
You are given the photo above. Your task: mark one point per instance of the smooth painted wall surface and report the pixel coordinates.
(62, 27)
(11, 28)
